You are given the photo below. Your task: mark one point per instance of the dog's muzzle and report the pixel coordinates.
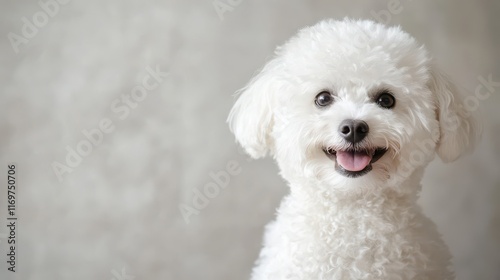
(356, 161)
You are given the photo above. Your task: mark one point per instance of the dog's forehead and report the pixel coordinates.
(351, 76)
(355, 54)
(358, 74)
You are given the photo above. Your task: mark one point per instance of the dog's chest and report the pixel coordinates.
(366, 243)
(355, 244)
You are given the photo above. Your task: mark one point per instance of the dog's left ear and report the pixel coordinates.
(251, 118)
(459, 129)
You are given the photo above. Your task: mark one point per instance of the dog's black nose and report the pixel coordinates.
(353, 130)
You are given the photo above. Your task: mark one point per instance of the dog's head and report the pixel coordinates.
(351, 103)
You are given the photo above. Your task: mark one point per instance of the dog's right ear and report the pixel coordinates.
(251, 118)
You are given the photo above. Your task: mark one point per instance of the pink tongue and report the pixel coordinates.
(353, 161)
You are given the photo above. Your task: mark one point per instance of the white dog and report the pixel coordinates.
(352, 111)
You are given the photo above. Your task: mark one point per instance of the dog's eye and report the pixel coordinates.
(323, 99)
(386, 100)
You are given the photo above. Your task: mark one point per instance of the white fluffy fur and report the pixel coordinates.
(331, 226)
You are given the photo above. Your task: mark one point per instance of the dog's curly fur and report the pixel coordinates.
(333, 224)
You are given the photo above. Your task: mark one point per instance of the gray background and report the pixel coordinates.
(119, 208)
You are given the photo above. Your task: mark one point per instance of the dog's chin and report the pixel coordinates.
(353, 163)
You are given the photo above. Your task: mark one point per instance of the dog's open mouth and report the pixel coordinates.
(354, 163)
